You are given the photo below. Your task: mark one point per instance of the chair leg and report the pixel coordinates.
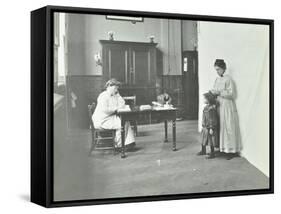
(136, 128)
(92, 146)
(114, 143)
(95, 139)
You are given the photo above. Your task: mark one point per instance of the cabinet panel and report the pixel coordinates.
(116, 63)
(141, 67)
(144, 65)
(132, 63)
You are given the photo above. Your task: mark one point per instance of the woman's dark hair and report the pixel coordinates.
(220, 63)
(210, 97)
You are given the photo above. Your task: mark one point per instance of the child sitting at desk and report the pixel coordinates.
(163, 97)
(209, 125)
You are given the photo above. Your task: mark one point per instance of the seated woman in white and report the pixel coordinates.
(108, 102)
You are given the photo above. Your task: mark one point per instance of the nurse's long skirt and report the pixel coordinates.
(230, 138)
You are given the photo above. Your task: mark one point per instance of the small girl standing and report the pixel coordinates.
(209, 125)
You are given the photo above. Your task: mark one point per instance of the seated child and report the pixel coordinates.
(162, 96)
(209, 125)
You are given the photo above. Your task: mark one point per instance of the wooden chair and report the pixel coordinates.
(100, 135)
(132, 101)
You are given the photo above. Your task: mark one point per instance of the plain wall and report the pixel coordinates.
(171, 46)
(189, 35)
(245, 49)
(85, 31)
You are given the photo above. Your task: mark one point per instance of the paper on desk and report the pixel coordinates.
(145, 107)
(159, 108)
(126, 108)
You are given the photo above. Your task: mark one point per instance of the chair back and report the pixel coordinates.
(91, 109)
(130, 100)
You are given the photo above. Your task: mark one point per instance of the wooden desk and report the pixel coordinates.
(164, 115)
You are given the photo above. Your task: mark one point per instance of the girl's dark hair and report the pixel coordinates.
(220, 63)
(210, 97)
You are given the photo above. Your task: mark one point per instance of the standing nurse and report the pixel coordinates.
(229, 137)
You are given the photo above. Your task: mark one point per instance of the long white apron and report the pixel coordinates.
(230, 138)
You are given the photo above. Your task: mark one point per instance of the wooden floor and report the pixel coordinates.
(151, 169)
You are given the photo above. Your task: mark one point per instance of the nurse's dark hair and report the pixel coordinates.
(220, 63)
(112, 82)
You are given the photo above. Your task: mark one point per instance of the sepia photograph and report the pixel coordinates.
(149, 106)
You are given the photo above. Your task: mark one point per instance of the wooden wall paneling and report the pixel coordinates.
(87, 89)
(173, 85)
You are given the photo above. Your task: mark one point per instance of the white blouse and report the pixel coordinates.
(106, 106)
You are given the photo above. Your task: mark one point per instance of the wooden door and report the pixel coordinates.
(190, 84)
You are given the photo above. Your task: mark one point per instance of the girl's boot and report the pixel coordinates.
(203, 151)
(212, 153)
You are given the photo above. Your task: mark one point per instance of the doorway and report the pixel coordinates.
(190, 84)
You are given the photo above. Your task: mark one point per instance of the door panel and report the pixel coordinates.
(118, 64)
(141, 67)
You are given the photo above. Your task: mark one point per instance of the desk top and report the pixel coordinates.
(153, 109)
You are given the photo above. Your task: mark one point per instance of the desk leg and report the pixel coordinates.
(123, 138)
(166, 131)
(174, 135)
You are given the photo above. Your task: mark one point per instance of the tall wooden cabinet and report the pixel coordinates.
(134, 64)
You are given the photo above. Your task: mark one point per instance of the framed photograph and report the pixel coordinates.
(131, 106)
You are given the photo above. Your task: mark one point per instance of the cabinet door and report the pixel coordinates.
(116, 63)
(142, 65)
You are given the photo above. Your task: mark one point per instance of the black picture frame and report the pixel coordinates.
(42, 105)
